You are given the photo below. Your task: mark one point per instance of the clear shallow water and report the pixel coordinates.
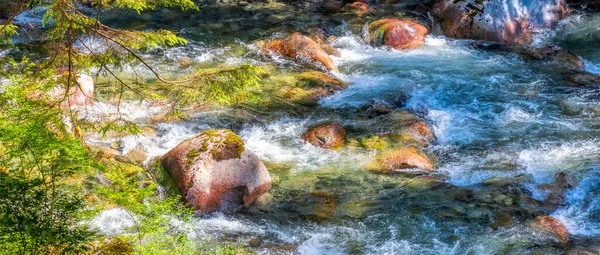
(494, 115)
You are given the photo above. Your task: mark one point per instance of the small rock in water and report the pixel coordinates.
(214, 171)
(398, 34)
(328, 135)
(551, 226)
(106, 153)
(137, 156)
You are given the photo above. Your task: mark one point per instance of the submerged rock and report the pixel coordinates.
(396, 33)
(317, 79)
(551, 226)
(315, 206)
(303, 48)
(497, 21)
(214, 171)
(328, 135)
(557, 56)
(401, 158)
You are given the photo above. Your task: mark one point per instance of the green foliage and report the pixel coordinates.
(43, 164)
(6, 32)
(155, 218)
(40, 211)
(221, 86)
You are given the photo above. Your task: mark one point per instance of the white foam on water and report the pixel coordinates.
(112, 222)
(516, 114)
(320, 243)
(580, 216)
(592, 67)
(545, 160)
(169, 136)
(469, 169)
(280, 141)
(128, 110)
(216, 224)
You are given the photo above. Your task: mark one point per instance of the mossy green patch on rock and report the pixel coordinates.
(374, 142)
(222, 144)
(192, 156)
(315, 79)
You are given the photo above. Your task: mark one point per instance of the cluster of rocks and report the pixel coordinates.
(214, 170)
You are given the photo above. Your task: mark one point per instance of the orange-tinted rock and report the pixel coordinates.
(402, 158)
(328, 135)
(214, 171)
(419, 131)
(551, 226)
(357, 7)
(303, 48)
(398, 34)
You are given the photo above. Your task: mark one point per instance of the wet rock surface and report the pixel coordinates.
(493, 21)
(214, 171)
(327, 135)
(397, 34)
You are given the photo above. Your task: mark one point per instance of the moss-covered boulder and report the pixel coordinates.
(328, 135)
(214, 171)
(400, 158)
(302, 48)
(397, 33)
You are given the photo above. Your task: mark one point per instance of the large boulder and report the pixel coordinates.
(397, 33)
(497, 21)
(214, 171)
(400, 158)
(328, 135)
(303, 48)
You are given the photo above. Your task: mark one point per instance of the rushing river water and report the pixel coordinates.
(494, 115)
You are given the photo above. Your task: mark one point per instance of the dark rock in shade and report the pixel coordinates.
(214, 171)
(554, 55)
(397, 33)
(328, 135)
(497, 21)
(580, 79)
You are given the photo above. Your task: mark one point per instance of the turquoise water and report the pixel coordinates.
(495, 115)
